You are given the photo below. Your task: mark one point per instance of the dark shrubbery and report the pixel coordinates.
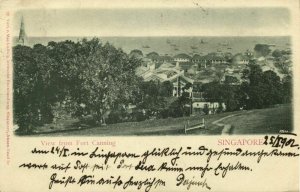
(92, 79)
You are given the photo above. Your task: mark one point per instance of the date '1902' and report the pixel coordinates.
(281, 140)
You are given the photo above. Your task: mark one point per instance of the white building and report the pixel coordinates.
(167, 72)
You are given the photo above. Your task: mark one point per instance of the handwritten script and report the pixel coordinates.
(155, 168)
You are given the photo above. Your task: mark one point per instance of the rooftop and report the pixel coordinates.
(182, 56)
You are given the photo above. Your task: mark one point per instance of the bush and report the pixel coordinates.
(206, 110)
(138, 116)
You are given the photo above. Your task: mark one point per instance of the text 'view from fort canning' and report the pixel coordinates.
(196, 71)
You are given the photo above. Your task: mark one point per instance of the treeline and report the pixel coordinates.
(83, 78)
(257, 90)
(152, 100)
(92, 79)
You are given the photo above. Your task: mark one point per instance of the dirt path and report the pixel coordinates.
(227, 128)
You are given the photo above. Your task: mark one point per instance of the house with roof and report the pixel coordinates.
(146, 69)
(212, 107)
(180, 86)
(167, 72)
(208, 59)
(199, 103)
(166, 58)
(240, 59)
(189, 68)
(214, 59)
(153, 56)
(197, 58)
(182, 57)
(192, 70)
(249, 53)
(198, 61)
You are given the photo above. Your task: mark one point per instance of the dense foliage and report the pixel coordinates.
(262, 50)
(258, 90)
(89, 78)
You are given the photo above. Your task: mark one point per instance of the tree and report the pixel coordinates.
(237, 58)
(262, 50)
(219, 75)
(136, 53)
(228, 57)
(212, 92)
(273, 87)
(254, 89)
(107, 77)
(277, 53)
(187, 86)
(231, 94)
(226, 93)
(197, 87)
(25, 69)
(166, 89)
(86, 77)
(262, 89)
(231, 80)
(153, 56)
(282, 60)
(206, 109)
(32, 99)
(178, 107)
(287, 89)
(154, 97)
(253, 74)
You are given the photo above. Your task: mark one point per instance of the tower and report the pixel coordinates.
(22, 35)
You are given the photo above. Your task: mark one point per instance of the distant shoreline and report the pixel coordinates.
(172, 45)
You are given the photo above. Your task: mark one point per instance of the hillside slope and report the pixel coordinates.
(258, 121)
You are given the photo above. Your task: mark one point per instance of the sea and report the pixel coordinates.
(182, 44)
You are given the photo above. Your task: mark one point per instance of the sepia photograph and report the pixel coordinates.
(152, 72)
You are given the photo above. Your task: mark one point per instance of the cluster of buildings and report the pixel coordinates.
(166, 72)
(182, 69)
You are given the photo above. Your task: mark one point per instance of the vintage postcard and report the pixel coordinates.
(149, 96)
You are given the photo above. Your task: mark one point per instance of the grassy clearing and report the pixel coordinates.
(263, 121)
(260, 121)
(169, 126)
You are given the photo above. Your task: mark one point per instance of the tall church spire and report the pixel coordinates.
(22, 35)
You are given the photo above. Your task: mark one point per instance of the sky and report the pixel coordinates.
(155, 22)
